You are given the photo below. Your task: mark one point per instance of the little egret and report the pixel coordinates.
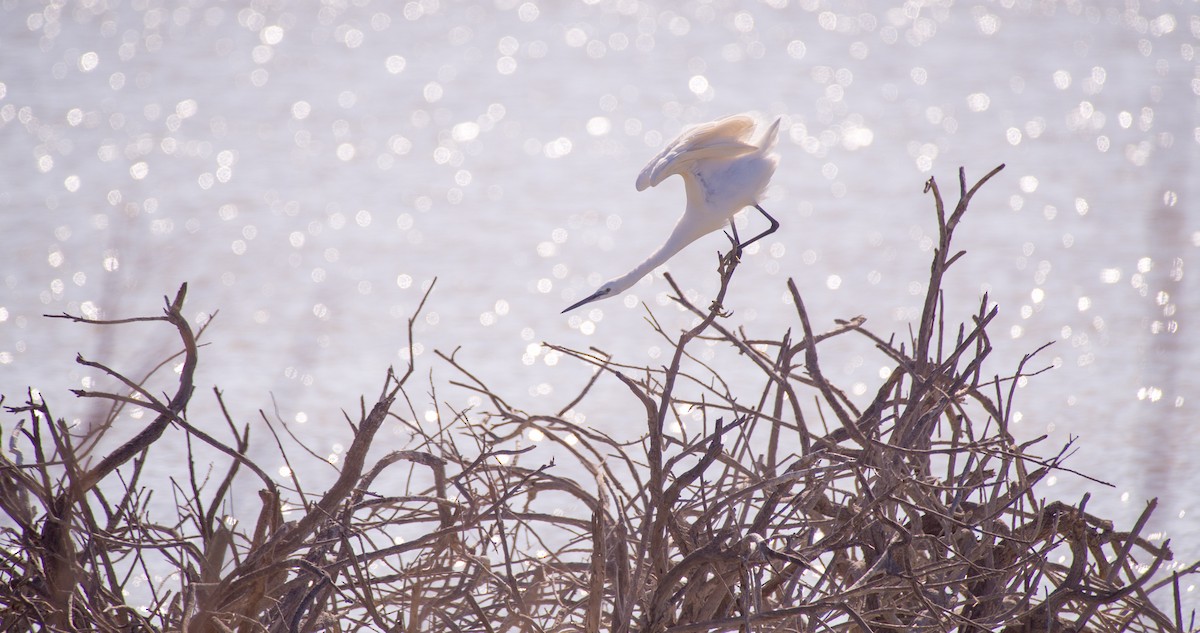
(723, 172)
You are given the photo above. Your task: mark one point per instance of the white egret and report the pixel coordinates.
(723, 172)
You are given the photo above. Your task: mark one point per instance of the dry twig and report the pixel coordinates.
(914, 510)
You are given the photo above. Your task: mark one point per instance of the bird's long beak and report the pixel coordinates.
(595, 295)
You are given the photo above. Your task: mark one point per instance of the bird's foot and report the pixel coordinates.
(716, 307)
(732, 257)
(735, 244)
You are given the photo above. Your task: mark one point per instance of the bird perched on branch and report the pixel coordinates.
(724, 170)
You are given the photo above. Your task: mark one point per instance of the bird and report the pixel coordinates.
(723, 170)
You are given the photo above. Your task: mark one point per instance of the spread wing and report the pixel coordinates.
(723, 138)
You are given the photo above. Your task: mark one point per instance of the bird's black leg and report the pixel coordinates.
(734, 241)
(774, 227)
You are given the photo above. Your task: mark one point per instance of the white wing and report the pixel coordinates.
(723, 138)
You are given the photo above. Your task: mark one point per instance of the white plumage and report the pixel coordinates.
(723, 171)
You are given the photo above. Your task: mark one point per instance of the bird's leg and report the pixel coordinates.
(774, 227)
(734, 242)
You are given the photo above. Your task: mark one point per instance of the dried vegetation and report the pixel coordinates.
(795, 508)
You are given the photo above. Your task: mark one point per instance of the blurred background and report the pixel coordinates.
(309, 169)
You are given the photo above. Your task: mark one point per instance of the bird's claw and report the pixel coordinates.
(734, 243)
(719, 309)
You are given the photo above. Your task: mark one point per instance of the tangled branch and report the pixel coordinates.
(760, 496)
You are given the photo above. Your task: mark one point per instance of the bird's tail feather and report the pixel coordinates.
(770, 137)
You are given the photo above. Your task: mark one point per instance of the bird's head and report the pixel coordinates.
(607, 290)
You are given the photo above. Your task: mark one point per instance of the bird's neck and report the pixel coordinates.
(685, 232)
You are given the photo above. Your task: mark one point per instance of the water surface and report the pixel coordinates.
(309, 170)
